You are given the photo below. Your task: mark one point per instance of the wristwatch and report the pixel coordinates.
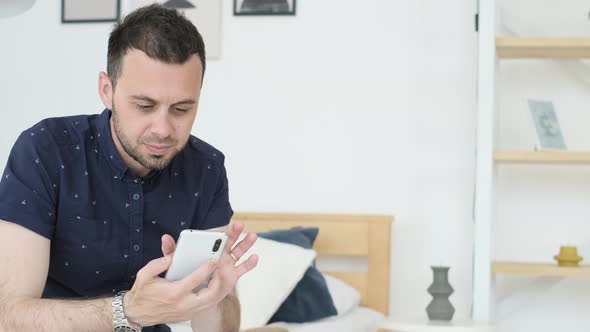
(120, 322)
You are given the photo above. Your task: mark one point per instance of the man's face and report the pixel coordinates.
(154, 106)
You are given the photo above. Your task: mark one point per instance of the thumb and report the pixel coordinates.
(168, 245)
(152, 269)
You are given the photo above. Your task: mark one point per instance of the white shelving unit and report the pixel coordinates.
(484, 175)
(492, 50)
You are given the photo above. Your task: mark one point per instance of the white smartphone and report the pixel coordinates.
(195, 247)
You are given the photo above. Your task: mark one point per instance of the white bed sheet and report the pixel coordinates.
(360, 319)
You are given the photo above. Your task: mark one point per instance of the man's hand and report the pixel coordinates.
(228, 272)
(154, 300)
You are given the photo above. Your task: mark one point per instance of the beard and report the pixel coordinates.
(147, 160)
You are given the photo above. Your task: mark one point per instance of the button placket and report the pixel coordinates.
(135, 190)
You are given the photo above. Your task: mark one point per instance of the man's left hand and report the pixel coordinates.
(228, 272)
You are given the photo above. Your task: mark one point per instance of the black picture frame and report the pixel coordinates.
(265, 8)
(64, 19)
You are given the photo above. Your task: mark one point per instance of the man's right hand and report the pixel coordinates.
(153, 300)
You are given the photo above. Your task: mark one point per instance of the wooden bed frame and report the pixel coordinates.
(342, 235)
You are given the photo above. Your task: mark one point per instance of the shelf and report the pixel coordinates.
(425, 325)
(543, 48)
(536, 269)
(542, 157)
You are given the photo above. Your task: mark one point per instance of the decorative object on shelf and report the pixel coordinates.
(549, 136)
(264, 7)
(90, 11)
(205, 15)
(178, 4)
(10, 8)
(568, 256)
(440, 308)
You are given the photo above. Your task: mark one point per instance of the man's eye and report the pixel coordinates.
(145, 107)
(182, 110)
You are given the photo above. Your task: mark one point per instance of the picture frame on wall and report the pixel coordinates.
(90, 11)
(549, 133)
(264, 7)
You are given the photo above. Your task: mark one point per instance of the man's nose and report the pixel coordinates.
(162, 125)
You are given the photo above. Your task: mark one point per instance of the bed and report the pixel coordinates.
(344, 236)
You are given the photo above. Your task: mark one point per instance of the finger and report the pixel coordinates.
(232, 235)
(213, 293)
(204, 298)
(247, 265)
(152, 269)
(243, 246)
(197, 277)
(212, 288)
(168, 245)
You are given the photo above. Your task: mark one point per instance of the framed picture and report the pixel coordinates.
(264, 7)
(205, 15)
(88, 11)
(549, 135)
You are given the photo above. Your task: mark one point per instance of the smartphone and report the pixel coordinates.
(193, 248)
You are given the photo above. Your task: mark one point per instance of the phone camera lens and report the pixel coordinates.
(216, 245)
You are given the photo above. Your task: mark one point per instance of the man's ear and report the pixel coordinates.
(105, 90)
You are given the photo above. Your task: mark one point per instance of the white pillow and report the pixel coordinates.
(262, 290)
(345, 297)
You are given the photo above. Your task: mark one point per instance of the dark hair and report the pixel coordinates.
(162, 33)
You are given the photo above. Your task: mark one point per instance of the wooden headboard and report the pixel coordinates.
(342, 235)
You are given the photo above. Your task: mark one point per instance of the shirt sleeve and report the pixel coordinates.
(27, 191)
(220, 212)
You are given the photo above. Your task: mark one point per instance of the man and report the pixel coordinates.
(91, 205)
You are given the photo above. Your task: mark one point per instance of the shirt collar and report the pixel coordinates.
(107, 146)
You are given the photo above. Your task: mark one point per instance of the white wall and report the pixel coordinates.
(541, 208)
(349, 107)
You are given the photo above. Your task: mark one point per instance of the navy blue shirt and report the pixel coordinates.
(65, 181)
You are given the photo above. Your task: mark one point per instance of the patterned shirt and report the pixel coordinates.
(65, 181)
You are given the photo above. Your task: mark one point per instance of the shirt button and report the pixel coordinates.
(135, 196)
(136, 247)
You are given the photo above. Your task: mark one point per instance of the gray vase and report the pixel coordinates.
(440, 308)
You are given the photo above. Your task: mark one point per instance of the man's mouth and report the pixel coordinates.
(158, 150)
